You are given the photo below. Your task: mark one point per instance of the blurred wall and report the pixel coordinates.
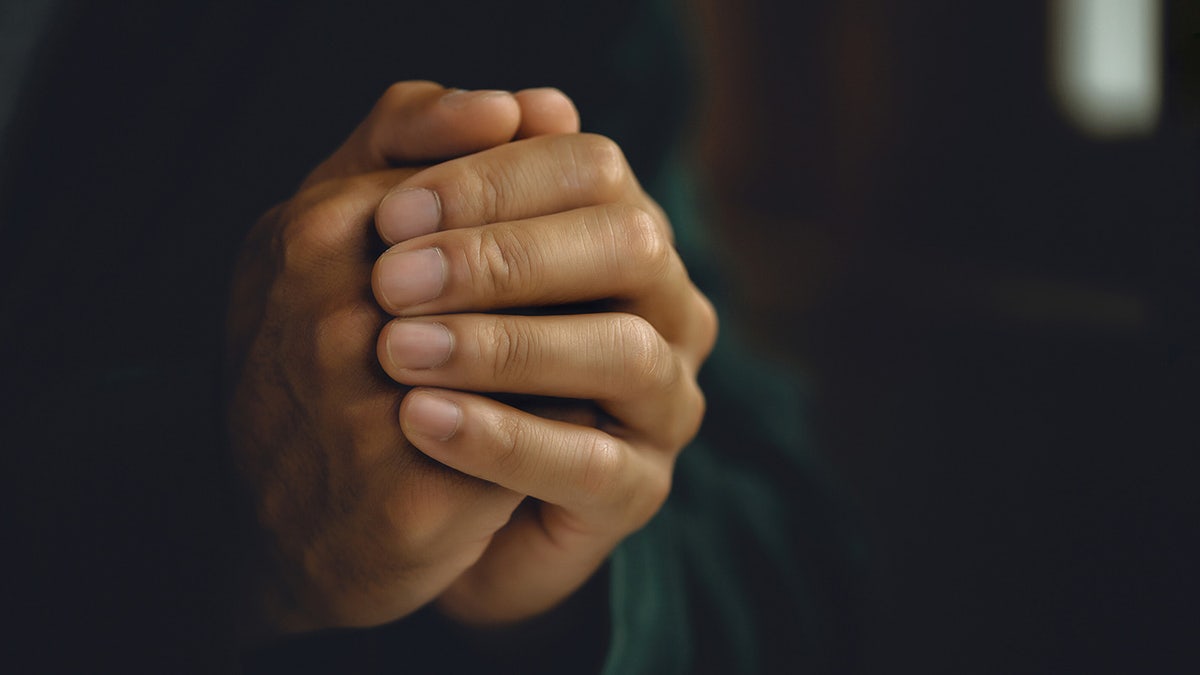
(1000, 314)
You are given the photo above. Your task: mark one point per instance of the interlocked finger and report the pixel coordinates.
(617, 360)
(525, 179)
(576, 467)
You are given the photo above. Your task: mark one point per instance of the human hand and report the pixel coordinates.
(358, 528)
(542, 222)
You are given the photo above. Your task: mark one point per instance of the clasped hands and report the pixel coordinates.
(377, 314)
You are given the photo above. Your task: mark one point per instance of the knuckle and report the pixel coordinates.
(647, 360)
(378, 126)
(394, 94)
(653, 493)
(602, 461)
(397, 94)
(502, 263)
(645, 497)
(644, 241)
(402, 526)
(691, 417)
(415, 518)
(511, 345)
(510, 436)
(479, 191)
(602, 160)
(377, 133)
(312, 236)
(709, 324)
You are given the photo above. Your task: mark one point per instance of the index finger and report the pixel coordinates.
(524, 179)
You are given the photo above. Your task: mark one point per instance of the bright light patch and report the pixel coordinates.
(1106, 70)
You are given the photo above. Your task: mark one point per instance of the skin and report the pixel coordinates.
(371, 319)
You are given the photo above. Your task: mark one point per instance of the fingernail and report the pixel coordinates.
(461, 98)
(408, 213)
(418, 344)
(411, 278)
(433, 416)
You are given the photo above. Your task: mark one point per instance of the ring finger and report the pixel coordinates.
(617, 360)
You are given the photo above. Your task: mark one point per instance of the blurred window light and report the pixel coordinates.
(1106, 69)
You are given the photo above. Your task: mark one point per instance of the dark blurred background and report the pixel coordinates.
(996, 299)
